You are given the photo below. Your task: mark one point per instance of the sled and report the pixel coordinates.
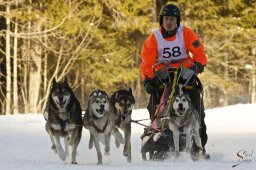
(157, 139)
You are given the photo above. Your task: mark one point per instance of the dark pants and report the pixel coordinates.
(197, 101)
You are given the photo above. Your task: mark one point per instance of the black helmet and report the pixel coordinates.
(169, 10)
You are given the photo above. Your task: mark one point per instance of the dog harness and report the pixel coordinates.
(98, 129)
(183, 123)
(62, 123)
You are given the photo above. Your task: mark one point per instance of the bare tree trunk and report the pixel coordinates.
(83, 85)
(253, 88)
(26, 55)
(35, 69)
(8, 63)
(137, 63)
(225, 102)
(15, 69)
(45, 66)
(35, 75)
(24, 90)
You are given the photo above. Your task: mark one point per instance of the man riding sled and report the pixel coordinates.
(176, 45)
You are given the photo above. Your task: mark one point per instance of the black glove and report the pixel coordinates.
(150, 86)
(197, 67)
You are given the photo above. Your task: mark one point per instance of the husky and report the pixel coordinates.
(63, 117)
(185, 120)
(121, 105)
(97, 119)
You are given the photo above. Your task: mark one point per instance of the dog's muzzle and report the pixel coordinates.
(123, 117)
(101, 110)
(181, 109)
(125, 114)
(61, 103)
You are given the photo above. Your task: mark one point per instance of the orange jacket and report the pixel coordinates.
(149, 52)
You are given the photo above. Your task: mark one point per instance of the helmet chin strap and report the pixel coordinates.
(168, 34)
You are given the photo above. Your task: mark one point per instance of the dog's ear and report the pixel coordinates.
(54, 81)
(89, 100)
(130, 90)
(105, 93)
(116, 95)
(113, 98)
(66, 81)
(187, 96)
(91, 94)
(176, 91)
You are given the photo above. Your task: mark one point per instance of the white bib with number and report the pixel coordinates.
(171, 51)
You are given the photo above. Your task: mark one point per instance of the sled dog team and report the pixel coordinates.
(104, 117)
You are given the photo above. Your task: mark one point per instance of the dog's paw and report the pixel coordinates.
(106, 153)
(176, 154)
(206, 156)
(100, 163)
(129, 159)
(90, 145)
(74, 162)
(125, 153)
(197, 153)
(119, 137)
(54, 149)
(156, 136)
(188, 150)
(62, 154)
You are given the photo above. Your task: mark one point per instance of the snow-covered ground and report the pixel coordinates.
(24, 144)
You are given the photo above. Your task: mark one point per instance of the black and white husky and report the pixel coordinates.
(63, 117)
(185, 120)
(97, 119)
(121, 105)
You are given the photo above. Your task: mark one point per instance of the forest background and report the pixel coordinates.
(96, 44)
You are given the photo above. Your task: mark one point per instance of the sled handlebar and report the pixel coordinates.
(169, 68)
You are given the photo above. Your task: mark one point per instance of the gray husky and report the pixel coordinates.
(63, 117)
(121, 105)
(97, 119)
(184, 121)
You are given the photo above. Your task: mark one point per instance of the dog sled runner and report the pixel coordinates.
(157, 139)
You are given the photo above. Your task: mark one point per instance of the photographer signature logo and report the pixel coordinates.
(244, 157)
